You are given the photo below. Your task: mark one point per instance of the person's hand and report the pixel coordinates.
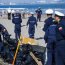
(60, 28)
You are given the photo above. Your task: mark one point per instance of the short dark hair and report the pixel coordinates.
(49, 14)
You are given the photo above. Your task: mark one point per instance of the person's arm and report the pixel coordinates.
(20, 18)
(28, 22)
(46, 35)
(62, 30)
(36, 22)
(46, 25)
(13, 20)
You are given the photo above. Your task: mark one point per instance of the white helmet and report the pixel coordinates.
(13, 11)
(17, 11)
(9, 10)
(49, 11)
(59, 13)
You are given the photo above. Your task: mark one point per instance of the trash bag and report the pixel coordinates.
(23, 56)
(11, 43)
(7, 54)
(8, 51)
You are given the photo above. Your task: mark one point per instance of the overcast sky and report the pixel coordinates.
(32, 1)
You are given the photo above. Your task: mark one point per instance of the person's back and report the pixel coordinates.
(48, 22)
(51, 32)
(17, 18)
(50, 39)
(39, 12)
(32, 21)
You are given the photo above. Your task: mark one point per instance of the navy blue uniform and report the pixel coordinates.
(60, 45)
(39, 13)
(50, 39)
(17, 21)
(31, 22)
(48, 22)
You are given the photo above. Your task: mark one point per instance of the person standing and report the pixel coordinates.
(9, 14)
(39, 13)
(17, 20)
(32, 22)
(49, 20)
(13, 11)
(60, 44)
(50, 39)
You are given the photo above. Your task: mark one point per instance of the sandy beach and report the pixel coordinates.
(39, 34)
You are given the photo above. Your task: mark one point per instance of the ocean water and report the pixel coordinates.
(32, 7)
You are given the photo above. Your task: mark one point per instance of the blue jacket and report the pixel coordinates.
(17, 21)
(17, 18)
(32, 22)
(50, 33)
(48, 22)
(39, 12)
(60, 33)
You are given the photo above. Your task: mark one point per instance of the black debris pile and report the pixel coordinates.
(7, 50)
(24, 57)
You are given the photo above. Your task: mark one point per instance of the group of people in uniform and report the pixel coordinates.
(17, 20)
(54, 29)
(32, 22)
